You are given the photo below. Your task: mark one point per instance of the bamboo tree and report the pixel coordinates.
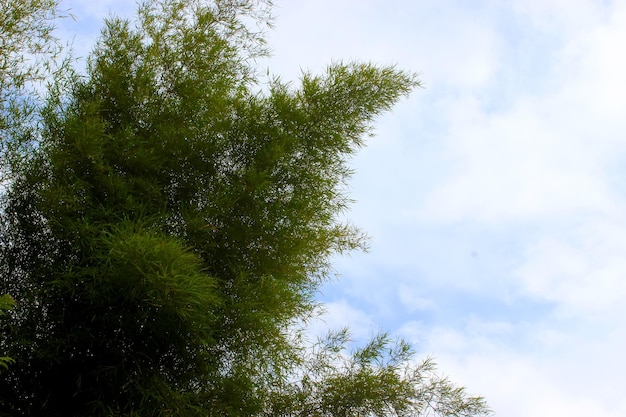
(173, 223)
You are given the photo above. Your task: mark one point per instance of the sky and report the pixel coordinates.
(494, 196)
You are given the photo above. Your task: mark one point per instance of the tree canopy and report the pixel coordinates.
(166, 233)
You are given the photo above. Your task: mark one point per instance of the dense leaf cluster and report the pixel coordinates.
(172, 224)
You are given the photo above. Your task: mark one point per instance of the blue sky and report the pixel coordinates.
(495, 197)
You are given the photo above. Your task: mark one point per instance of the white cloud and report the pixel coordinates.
(549, 372)
(518, 166)
(547, 155)
(599, 70)
(534, 388)
(561, 17)
(583, 272)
